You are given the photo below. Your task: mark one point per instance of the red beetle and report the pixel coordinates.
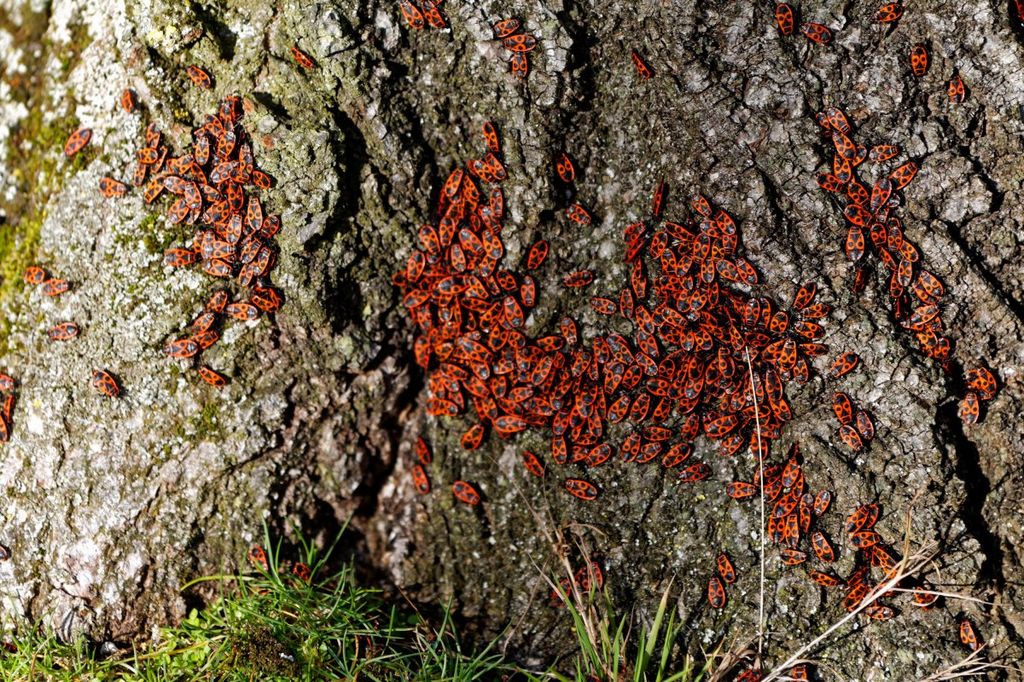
(212, 377)
(585, 490)
(465, 493)
(55, 287)
(77, 141)
(127, 100)
(199, 77)
(642, 68)
(422, 483)
(716, 593)
(63, 331)
(301, 58)
(105, 383)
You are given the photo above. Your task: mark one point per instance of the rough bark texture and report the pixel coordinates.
(111, 505)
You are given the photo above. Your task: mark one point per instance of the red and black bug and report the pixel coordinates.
(919, 60)
(970, 408)
(465, 493)
(902, 176)
(968, 637)
(725, 568)
(739, 490)
(302, 571)
(242, 311)
(585, 490)
(865, 425)
(863, 518)
(825, 579)
(111, 188)
(34, 275)
(127, 101)
(77, 141)
(982, 381)
(844, 364)
(199, 77)
(506, 27)
(212, 377)
(301, 58)
(694, 473)
(65, 331)
(879, 612)
(889, 13)
(105, 383)
(851, 437)
(822, 501)
(716, 593)
(472, 438)
(258, 558)
(181, 348)
(533, 464)
(580, 278)
(658, 200)
(642, 68)
(792, 557)
(55, 287)
(423, 453)
(519, 65)
(842, 406)
(422, 482)
(883, 152)
(491, 139)
(564, 168)
(822, 547)
(536, 255)
(523, 42)
(817, 33)
(432, 14)
(784, 18)
(956, 90)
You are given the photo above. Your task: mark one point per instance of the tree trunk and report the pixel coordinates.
(112, 504)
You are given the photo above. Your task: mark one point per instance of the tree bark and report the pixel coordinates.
(110, 505)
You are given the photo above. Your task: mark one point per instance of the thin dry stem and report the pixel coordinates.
(760, 478)
(970, 666)
(587, 612)
(736, 654)
(908, 566)
(947, 595)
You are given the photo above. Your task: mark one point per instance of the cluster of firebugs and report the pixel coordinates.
(684, 363)
(916, 293)
(212, 184)
(693, 330)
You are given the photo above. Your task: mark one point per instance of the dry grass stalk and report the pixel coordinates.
(907, 567)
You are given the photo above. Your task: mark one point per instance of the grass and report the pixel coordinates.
(271, 625)
(607, 652)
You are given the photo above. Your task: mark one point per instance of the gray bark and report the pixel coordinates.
(111, 505)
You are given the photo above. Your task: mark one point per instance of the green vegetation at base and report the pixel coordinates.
(607, 652)
(271, 625)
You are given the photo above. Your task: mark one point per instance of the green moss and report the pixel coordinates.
(27, 33)
(39, 169)
(69, 54)
(34, 152)
(155, 239)
(207, 422)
